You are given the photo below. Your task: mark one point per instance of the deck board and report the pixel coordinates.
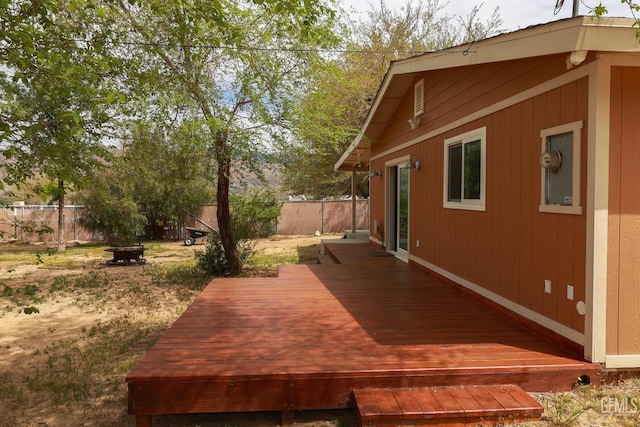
(305, 339)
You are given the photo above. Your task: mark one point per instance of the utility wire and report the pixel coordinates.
(274, 49)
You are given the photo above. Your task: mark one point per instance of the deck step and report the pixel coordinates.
(326, 259)
(485, 405)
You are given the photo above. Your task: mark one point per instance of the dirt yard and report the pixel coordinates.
(71, 328)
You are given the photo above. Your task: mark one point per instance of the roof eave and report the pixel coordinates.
(575, 37)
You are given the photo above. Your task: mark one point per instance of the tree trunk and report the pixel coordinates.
(223, 213)
(223, 156)
(62, 241)
(157, 228)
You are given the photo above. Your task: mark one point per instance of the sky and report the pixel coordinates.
(515, 14)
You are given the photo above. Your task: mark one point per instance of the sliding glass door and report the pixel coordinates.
(398, 211)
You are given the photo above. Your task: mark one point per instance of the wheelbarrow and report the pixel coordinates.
(196, 233)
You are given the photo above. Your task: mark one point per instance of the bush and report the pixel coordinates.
(255, 215)
(109, 210)
(252, 217)
(213, 260)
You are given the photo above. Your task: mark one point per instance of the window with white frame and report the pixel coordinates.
(465, 171)
(560, 162)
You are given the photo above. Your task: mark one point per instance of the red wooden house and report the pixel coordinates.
(511, 167)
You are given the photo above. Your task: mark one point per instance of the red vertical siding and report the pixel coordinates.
(623, 316)
(529, 190)
(515, 242)
(537, 221)
(566, 224)
(510, 248)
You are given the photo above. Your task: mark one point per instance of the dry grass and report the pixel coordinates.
(64, 364)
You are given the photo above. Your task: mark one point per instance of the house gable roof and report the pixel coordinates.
(574, 37)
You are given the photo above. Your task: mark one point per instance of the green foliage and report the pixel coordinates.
(183, 275)
(255, 215)
(92, 280)
(60, 283)
(110, 210)
(30, 310)
(74, 70)
(561, 410)
(31, 290)
(70, 372)
(51, 96)
(9, 391)
(7, 290)
(327, 120)
(340, 90)
(39, 260)
(213, 259)
(214, 64)
(161, 173)
(28, 226)
(600, 10)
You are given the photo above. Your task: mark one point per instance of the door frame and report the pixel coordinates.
(391, 203)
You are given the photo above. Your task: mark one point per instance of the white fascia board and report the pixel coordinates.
(566, 36)
(349, 151)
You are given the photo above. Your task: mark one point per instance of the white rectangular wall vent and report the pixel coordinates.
(418, 98)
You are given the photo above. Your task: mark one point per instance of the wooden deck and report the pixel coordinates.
(306, 339)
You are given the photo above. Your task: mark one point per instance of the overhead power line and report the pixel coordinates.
(257, 49)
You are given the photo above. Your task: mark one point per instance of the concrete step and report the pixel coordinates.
(327, 259)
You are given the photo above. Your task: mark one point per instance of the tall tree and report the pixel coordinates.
(54, 97)
(341, 91)
(231, 65)
(234, 66)
(328, 118)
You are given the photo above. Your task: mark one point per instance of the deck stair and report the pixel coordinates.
(485, 405)
(326, 259)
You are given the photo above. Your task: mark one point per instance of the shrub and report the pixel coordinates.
(252, 217)
(213, 260)
(111, 211)
(255, 215)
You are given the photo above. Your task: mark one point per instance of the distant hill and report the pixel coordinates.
(243, 180)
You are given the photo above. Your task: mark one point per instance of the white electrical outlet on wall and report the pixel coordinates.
(570, 292)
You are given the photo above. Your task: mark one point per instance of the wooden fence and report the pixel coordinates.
(23, 222)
